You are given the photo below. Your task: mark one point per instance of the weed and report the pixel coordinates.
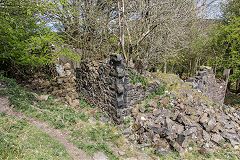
(83, 104)
(126, 121)
(8, 149)
(137, 78)
(159, 91)
(169, 107)
(147, 106)
(97, 115)
(2, 114)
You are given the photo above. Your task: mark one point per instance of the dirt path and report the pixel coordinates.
(72, 150)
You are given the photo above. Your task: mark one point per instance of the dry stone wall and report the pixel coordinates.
(107, 85)
(63, 86)
(102, 85)
(205, 82)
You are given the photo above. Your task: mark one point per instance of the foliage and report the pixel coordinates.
(226, 40)
(25, 39)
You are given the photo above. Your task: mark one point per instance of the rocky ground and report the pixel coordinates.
(178, 117)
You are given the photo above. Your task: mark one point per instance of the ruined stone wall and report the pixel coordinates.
(63, 86)
(102, 84)
(205, 82)
(107, 85)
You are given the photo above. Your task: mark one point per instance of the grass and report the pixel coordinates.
(22, 140)
(94, 137)
(18, 137)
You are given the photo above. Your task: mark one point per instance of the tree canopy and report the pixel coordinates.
(25, 39)
(226, 39)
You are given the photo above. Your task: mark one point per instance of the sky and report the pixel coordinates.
(214, 10)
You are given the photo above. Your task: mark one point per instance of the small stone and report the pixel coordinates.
(217, 138)
(204, 119)
(162, 150)
(100, 156)
(152, 103)
(143, 118)
(68, 73)
(75, 103)
(165, 101)
(211, 124)
(141, 109)
(74, 95)
(180, 138)
(203, 151)
(41, 98)
(234, 142)
(156, 112)
(206, 136)
(182, 107)
(127, 131)
(236, 147)
(67, 66)
(143, 156)
(190, 131)
(178, 147)
(121, 153)
(92, 120)
(131, 158)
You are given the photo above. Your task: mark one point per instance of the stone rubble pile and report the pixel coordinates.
(136, 93)
(165, 122)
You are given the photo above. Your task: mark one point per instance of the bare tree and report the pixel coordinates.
(152, 29)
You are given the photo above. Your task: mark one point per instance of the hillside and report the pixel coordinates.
(88, 129)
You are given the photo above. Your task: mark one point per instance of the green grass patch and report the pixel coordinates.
(22, 140)
(94, 137)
